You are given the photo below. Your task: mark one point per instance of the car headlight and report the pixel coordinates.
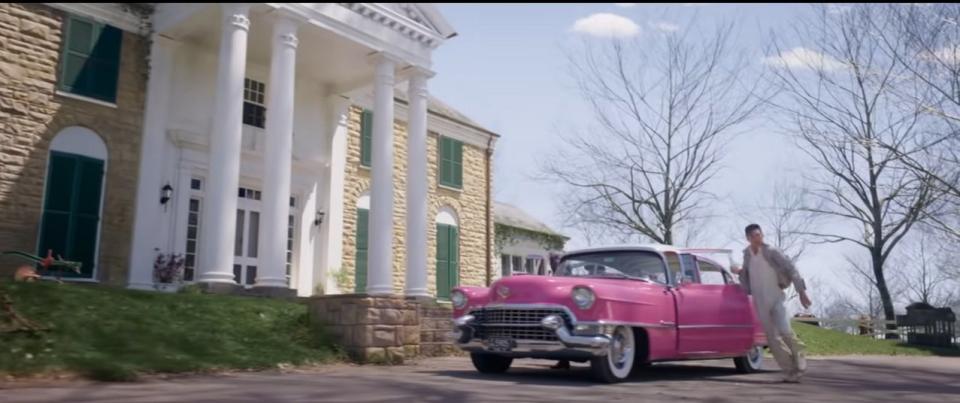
(458, 298)
(583, 297)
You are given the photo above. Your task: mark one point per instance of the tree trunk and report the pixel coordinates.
(885, 299)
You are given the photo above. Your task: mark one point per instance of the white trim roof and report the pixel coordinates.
(512, 216)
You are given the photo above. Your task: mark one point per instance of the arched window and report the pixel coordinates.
(73, 199)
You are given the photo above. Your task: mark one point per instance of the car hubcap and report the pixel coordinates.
(621, 348)
(755, 356)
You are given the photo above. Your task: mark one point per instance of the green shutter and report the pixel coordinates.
(451, 162)
(443, 262)
(90, 62)
(457, 164)
(448, 259)
(71, 213)
(454, 268)
(366, 137)
(360, 275)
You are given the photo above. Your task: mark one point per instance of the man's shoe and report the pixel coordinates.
(792, 377)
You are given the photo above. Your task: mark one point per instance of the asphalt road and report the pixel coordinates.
(453, 379)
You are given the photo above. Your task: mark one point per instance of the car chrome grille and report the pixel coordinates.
(516, 323)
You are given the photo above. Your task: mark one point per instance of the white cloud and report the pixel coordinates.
(664, 26)
(625, 5)
(606, 25)
(949, 55)
(803, 58)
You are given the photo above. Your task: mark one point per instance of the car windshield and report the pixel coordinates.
(616, 264)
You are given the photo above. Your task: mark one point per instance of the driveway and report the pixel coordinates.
(452, 379)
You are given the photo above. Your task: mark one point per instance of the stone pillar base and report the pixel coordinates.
(436, 325)
(371, 329)
(219, 288)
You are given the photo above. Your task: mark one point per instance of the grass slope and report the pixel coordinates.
(821, 341)
(114, 334)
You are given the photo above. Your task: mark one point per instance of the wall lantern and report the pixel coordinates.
(319, 218)
(165, 194)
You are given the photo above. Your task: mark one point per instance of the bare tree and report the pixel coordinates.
(840, 97)
(926, 41)
(786, 218)
(663, 109)
(924, 269)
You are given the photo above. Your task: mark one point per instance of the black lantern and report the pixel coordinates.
(165, 194)
(319, 218)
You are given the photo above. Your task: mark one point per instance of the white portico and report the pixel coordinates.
(246, 121)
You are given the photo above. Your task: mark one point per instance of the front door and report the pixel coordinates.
(71, 210)
(712, 316)
(246, 246)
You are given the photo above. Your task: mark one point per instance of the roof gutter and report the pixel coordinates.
(488, 153)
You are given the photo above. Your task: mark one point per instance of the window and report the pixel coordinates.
(254, 104)
(366, 137)
(451, 162)
(193, 230)
(291, 230)
(90, 59)
(673, 266)
(640, 264)
(689, 268)
(711, 273)
(505, 269)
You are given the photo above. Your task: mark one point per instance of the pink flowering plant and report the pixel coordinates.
(168, 268)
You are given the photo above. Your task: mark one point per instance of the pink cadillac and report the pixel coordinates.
(619, 308)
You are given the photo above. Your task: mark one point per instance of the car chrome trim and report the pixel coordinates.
(662, 324)
(499, 305)
(714, 326)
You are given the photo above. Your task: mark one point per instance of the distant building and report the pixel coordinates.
(523, 243)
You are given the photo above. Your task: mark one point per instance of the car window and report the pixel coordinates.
(711, 273)
(642, 264)
(674, 266)
(689, 264)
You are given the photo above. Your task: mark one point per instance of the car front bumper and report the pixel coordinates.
(566, 345)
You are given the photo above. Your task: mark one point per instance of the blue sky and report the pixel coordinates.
(506, 70)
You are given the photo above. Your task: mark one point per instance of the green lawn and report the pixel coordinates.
(830, 342)
(114, 334)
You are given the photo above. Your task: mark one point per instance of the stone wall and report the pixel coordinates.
(469, 204)
(370, 329)
(436, 325)
(32, 113)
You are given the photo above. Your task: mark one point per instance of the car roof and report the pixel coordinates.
(647, 248)
(627, 247)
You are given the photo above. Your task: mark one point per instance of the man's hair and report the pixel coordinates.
(750, 228)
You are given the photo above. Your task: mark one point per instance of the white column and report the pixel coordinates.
(278, 152)
(153, 151)
(380, 264)
(416, 245)
(219, 221)
(331, 231)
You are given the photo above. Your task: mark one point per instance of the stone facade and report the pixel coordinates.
(469, 204)
(32, 113)
(436, 327)
(370, 329)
